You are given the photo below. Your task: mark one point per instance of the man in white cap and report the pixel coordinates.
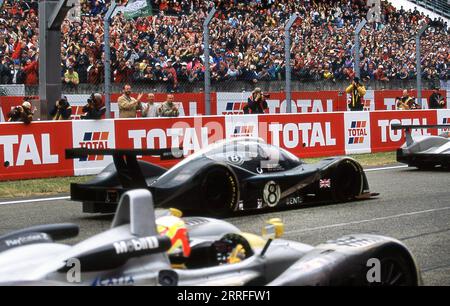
(21, 113)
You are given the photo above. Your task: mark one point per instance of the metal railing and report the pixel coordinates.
(440, 7)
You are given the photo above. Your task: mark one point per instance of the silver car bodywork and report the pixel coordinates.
(31, 257)
(425, 152)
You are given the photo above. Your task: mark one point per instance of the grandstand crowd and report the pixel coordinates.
(247, 43)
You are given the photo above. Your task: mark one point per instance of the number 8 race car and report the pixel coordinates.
(233, 175)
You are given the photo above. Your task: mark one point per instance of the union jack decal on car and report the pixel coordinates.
(325, 183)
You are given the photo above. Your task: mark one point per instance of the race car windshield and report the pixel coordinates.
(254, 156)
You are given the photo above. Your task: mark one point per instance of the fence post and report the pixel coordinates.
(107, 21)
(51, 15)
(418, 64)
(357, 46)
(206, 56)
(287, 52)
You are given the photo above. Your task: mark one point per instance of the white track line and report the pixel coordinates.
(385, 168)
(34, 200)
(67, 198)
(366, 220)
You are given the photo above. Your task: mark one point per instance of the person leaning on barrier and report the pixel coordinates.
(94, 109)
(168, 108)
(150, 110)
(256, 103)
(21, 113)
(436, 99)
(357, 91)
(62, 110)
(128, 106)
(406, 102)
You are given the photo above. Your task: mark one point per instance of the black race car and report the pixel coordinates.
(229, 176)
(425, 152)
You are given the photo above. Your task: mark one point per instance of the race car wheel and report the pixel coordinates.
(348, 181)
(396, 268)
(219, 191)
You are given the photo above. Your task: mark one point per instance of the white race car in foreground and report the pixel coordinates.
(141, 249)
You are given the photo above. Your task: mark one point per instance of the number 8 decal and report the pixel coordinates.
(271, 194)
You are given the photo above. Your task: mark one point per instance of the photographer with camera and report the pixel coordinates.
(94, 109)
(357, 91)
(256, 103)
(62, 110)
(21, 113)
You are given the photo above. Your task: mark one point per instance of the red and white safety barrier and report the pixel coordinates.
(37, 150)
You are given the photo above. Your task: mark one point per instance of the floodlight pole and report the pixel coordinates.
(51, 16)
(358, 47)
(419, 64)
(206, 56)
(287, 51)
(107, 26)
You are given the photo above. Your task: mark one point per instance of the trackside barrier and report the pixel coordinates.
(37, 150)
(231, 103)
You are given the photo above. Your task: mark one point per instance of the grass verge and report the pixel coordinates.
(52, 186)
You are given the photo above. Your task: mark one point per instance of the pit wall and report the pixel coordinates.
(37, 150)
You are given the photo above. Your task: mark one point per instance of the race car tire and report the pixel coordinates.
(397, 268)
(348, 181)
(219, 191)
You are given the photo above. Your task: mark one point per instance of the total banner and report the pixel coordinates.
(37, 150)
(190, 134)
(305, 135)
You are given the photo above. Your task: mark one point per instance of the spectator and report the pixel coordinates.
(62, 110)
(357, 92)
(71, 77)
(256, 103)
(94, 109)
(406, 102)
(168, 108)
(245, 34)
(128, 106)
(436, 100)
(149, 109)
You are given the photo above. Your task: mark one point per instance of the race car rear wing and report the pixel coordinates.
(409, 127)
(125, 160)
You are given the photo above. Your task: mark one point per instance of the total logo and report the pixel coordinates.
(357, 132)
(308, 134)
(28, 150)
(94, 140)
(234, 108)
(388, 134)
(301, 106)
(243, 130)
(445, 121)
(188, 138)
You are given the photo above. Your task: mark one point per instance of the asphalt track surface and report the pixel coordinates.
(413, 206)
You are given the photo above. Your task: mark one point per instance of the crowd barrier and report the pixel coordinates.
(37, 150)
(231, 103)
